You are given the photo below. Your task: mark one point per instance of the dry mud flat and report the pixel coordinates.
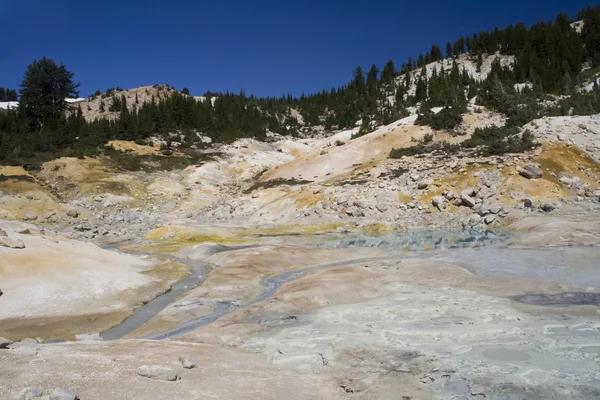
(418, 324)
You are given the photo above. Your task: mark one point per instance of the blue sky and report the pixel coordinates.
(266, 47)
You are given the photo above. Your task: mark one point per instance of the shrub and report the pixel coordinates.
(447, 118)
(422, 148)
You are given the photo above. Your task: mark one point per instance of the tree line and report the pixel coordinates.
(549, 56)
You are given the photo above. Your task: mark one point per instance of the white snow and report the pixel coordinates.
(7, 105)
(77, 100)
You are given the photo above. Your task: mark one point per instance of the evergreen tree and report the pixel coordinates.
(44, 89)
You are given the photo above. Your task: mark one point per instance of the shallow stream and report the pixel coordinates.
(483, 253)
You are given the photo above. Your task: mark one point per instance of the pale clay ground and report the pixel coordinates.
(384, 328)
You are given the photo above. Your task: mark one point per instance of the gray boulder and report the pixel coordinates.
(531, 172)
(63, 394)
(30, 216)
(73, 213)
(22, 231)
(187, 362)
(29, 342)
(158, 373)
(3, 233)
(31, 393)
(547, 207)
(489, 219)
(439, 202)
(466, 198)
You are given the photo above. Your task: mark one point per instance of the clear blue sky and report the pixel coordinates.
(267, 47)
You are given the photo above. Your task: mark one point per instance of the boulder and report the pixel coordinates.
(495, 208)
(73, 213)
(158, 373)
(531, 172)
(466, 198)
(528, 203)
(489, 219)
(30, 216)
(31, 393)
(22, 231)
(547, 207)
(3, 233)
(381, 208)
(474, 220)
(4, 343)
(29, 342)
(457, 202)
(187, 362)
(449, 195)
(63, 394)
(424, 183)
(12, 243)
(439, 202)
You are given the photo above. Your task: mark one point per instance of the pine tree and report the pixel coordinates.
(479, 62)
(449, 52)
(44, 89)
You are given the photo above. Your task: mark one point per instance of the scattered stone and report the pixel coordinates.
(439, 202)
(531, 172)
(489, 219)
(449, 195)
(528, 203)
(457, 202)
(495, 208)
(3, 233)
(30, 393)
(63, 394)
(4, 343)
(30, 216)
(473, 220)
(158, 373)
(12, 243)
(187, 362)
(547, 207)
(424, 183)
(466, 198)
(22, 231)
(381, 208)
(73, 213)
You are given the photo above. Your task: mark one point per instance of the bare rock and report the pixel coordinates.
(3, 233)
(73, 213)
(4, 343)
(457, 202)
(22, 231)
(29, 342)
(531, 172)
(12, 243)
(158, 373)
